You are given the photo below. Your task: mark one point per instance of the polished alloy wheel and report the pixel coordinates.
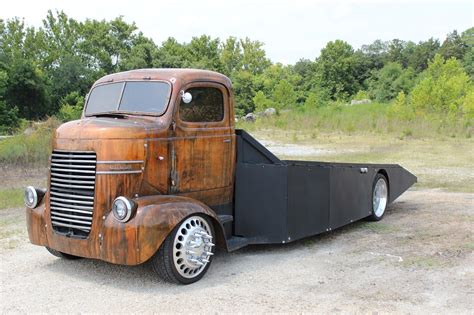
(192, 247)
(380, 197)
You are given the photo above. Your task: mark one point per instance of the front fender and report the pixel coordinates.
(157, 216)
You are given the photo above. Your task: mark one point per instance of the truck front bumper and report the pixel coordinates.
(110, 240)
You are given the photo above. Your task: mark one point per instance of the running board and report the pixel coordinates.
(236, 242)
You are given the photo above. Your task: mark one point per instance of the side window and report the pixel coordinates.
(207, 105)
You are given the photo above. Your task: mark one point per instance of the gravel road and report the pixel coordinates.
(418, 259)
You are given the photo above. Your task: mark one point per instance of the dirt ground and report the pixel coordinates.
(418, 259)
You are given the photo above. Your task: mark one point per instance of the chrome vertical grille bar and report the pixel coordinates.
(72, 192)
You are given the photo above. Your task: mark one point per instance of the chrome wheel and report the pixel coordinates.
(192, 247)
(380, 197)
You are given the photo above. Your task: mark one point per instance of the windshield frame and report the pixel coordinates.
(136, 113)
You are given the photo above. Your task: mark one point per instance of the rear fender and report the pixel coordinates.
(157, 216)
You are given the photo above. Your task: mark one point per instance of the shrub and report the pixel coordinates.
(361, 95)
(443, 87)
(9, 120)
(71, 107)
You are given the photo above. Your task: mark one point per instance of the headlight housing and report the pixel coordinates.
(33, 196)
(123, 209)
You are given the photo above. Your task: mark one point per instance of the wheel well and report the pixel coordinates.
(220, 234)
(384, 173)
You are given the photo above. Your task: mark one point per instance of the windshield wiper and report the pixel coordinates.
(110, 114)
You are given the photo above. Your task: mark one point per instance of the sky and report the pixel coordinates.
(290, 29)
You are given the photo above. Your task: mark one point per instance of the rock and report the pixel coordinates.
(269, 111)
(28, 131)
(364, 101)
(250, 117)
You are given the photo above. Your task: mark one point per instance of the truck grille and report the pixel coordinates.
(72, 192)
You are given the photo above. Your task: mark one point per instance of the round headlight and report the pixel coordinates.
(31, 197)
(122, 209)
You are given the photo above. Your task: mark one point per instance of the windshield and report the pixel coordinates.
(148, 97)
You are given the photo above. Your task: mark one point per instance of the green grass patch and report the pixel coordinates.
(376, 118)
(11, 198)
(424, 262)
(31, 149)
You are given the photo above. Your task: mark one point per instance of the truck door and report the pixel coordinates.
(203, 149)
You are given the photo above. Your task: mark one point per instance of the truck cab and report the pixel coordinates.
(156, 171)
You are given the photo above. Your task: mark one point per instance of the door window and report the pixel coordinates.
(207, 105)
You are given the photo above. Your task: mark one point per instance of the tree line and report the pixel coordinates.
(48, 70)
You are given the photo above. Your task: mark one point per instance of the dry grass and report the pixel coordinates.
(442, 162)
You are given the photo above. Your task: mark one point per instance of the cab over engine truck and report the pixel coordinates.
(156, 171)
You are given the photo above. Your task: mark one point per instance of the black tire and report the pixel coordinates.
(377, 214)
(61, 254)
(163, 263)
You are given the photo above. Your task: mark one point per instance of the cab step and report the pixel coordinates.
(236, 242)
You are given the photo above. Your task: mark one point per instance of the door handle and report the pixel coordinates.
(226, 140)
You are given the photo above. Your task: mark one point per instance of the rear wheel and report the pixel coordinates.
(379, 197)
(61, 255)
(186, 254)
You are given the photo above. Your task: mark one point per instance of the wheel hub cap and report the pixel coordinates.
(192, 247)
(379, 200)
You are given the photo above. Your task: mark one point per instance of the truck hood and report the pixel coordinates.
(109, 128)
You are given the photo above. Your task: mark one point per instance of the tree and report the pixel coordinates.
(9, 119)
(284, 96)
(337, 68)
(443, 87)
(171, 54)
(204, 53)
(453, 47)
(418, 56)
(386, 83)
(261, 102)
(26, 90)
(254, 58)
(231, 56)
(468, 60)
(244, 92)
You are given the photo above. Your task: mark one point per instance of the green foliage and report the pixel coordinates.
(361, 95)
(443, 87)
(337, 68)
(44, 71)
(71, 107)
(316, 98)
(26, 90)
(387, 82)
(244, 92)
(261, 102)
(284, 96)
(9, 120)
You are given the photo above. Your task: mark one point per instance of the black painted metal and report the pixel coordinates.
(282, 201)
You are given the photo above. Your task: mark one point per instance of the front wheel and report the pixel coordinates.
(186, 254)
(379, 197)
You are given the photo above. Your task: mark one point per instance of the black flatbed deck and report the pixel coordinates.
(280, 201)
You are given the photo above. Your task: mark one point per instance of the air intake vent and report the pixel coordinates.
(72, 192)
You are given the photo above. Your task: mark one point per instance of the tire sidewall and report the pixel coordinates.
(376, 179)
(172, 236)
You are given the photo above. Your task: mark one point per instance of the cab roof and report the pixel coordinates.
(182, 76)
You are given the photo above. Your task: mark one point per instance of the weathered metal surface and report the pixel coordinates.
(138, 156)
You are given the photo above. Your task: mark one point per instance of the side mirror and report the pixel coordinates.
(186, 97)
